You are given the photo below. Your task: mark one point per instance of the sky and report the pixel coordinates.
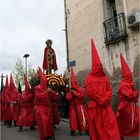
(25, 25)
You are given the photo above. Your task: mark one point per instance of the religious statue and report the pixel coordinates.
(49, 61)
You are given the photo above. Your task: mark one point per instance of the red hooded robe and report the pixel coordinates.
(101, 119)
(25, 117)
(128, 112)
(12, 100)
(4, 100)
(42, 109)
(79, 95)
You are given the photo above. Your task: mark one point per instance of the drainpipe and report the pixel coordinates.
(126, 41)
(66, 32)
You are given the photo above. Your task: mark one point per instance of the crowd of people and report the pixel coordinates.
(97, 120)
(29, 109)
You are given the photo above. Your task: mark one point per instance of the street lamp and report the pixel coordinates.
(26, 56)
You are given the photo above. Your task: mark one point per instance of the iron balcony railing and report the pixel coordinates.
(115, 29)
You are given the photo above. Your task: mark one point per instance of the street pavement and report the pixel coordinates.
(61, 133)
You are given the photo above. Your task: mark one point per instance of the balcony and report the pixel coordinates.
(115, 29)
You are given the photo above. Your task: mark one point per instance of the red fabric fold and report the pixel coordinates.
(78, 106)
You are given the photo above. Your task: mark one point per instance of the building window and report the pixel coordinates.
(115, 29)
(114, 26)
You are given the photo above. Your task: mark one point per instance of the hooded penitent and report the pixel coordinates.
(101, 120)
(76, 99)
(4, 100)
(42, 108)
(13, 98)
(126, 73)
(127, 107)
(26, 117)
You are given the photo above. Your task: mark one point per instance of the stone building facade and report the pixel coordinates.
(113, 25)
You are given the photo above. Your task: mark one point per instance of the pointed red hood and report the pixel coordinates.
(97, 69)
(73, 79)
(42, 79)
(27, 86)
(12, 85)
(6, 82)
(14, 94)
(126, 73)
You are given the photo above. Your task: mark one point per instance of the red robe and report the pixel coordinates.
(3, 100)
(13, 107)
(45, 59)
(54, 102)
(3, 104)
(10, 99)
(26, 117)
(101, 119)
(128, 112)
(81, 110)
(43, 113)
